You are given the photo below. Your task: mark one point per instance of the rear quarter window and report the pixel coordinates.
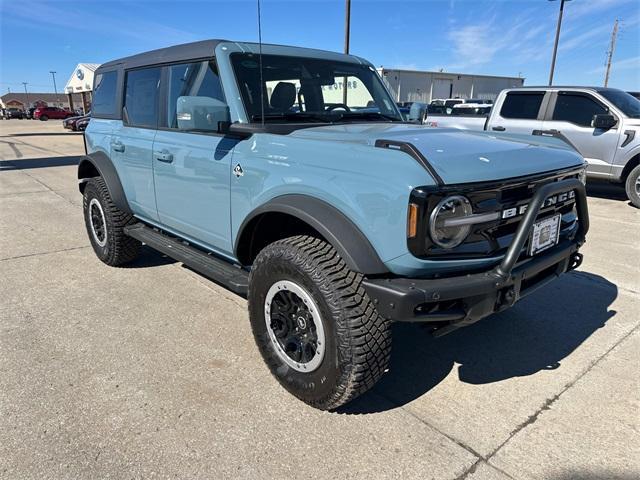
(104, 94)
(521, 105)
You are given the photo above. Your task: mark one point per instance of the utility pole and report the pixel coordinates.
(555, 44)
(27, 93)
(347, 34)
(55, 89)
(612, 48)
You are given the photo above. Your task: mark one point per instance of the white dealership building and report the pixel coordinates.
(424, 86)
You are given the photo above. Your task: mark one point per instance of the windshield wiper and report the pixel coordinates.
(364, 115)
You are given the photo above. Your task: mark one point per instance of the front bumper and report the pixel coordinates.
(458, 301)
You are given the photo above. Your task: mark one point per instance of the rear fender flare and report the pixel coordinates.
(105, 168)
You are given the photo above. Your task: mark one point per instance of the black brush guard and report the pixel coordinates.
(458, 301)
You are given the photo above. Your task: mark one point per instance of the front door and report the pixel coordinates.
(192, 168)
(572, 117)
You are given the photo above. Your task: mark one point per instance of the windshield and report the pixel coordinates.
(629, 105)
(297, 89)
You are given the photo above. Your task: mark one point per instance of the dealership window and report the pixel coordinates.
(523, 106)
(199, 79)
(104, 94)
(578, 109)
(141, 97)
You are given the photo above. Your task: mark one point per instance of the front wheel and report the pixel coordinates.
(314, 324)
(632, 186)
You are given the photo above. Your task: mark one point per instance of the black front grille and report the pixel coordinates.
(490, 238)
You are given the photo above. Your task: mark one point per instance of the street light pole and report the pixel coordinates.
(347, 26)
(555, 44)
(27, 93)
(55, 89)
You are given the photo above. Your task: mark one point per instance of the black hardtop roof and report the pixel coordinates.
(188, 51)
(185, 51)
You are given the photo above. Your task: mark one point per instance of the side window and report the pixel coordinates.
(199, 79)
(141, 97)
(578, 109)
(522, 105)
(104, 94)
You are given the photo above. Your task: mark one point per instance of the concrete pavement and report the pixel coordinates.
(151, 371)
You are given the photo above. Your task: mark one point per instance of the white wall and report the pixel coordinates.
(408, 86)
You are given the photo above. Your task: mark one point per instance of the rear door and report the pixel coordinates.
(192, 169)
(570, 114)
(520, 112)
(132, 140)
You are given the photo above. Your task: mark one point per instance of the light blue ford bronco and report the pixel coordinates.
(288, 175)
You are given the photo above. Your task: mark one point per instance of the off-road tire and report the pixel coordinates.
(630, 186)
(357, 339)
(119, 248)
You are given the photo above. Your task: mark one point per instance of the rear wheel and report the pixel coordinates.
(105, 225)
(632, 186)
(44, 118)
(314, 324)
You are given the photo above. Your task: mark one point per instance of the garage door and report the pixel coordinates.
(441, 88)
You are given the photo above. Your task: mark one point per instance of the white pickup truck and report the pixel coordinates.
(602, 124)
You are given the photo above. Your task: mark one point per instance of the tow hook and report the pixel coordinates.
(575, 261)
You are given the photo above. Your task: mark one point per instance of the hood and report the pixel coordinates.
(460, 156)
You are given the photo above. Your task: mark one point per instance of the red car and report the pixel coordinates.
(45, 113)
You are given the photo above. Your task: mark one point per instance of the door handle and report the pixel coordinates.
(546, 133)
(117, 146)
(498, 129)
(164, 156)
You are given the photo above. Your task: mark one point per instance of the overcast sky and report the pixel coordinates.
(509, 37)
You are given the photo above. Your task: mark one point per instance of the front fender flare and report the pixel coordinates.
(103, 164)
(349, 241)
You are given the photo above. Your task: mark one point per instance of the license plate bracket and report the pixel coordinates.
(544, 234)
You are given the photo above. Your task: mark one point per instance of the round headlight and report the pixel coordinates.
(443, 228)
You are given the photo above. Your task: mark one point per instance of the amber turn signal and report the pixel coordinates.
(412, 220)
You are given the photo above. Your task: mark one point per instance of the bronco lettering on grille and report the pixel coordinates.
(553, 200)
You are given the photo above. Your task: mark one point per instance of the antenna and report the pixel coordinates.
(262, 87)
(612, 48)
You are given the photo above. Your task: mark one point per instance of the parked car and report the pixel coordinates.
(13, 112)
(45, 113)
(470, 109)
(333, 219)
(71, 123)
(28, 113)
(81, 123)
(602, 124)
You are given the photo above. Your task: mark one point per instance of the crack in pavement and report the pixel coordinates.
(529, 421)
(550, 401)
(43, 253)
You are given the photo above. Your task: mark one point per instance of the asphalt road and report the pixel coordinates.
(151, 371)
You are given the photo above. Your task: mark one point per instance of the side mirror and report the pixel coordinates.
(202, 113)
(604, 121)
(418, 112)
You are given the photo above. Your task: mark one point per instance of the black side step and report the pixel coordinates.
(227, 274)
